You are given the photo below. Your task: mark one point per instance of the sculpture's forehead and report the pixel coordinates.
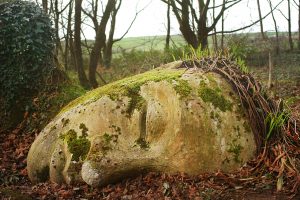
(127, 86)
(162, 100)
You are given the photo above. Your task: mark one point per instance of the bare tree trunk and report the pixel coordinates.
(56, 26)
(99, 43)
(260, 21)
(270, 70)
(77, 45)
(299, 25)
(107, 51)
(290, 26)
(45, 5)
(67, 39)
(168, 27)
(276, 28)
(193, 22)
(222, 32)
(72, 51)
(184, 25)
(215, 39)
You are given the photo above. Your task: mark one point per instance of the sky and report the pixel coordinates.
(152, 20)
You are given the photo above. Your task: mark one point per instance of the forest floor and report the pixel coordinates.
(14, 182)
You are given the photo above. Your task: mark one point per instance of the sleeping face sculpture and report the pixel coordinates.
(167, 120)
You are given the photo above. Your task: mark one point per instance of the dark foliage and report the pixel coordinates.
(26, 46)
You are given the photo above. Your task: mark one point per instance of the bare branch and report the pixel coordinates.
(132, 22)
(62, 10)
(283, 14)
(248, 26)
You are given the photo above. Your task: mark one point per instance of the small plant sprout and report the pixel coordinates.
(193, 54)
(242, 65)
(274, 121)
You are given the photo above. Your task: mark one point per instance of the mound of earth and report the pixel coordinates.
(171, 119)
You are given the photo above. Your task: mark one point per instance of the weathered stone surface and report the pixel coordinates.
(168, 120)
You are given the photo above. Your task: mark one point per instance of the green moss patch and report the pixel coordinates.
(235, 149)
(214, 96)
(84, 129)
(126, 87)
(182, 88)
(78, 146)
(142, 143)
(136, 101)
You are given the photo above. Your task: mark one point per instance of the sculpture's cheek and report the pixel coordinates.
(156, 121)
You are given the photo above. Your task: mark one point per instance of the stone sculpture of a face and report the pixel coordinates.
(168, 120)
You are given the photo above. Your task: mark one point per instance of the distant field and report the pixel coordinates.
(146, 43)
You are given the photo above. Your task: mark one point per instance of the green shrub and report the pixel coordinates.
(239, 47)
(26, 46)
(135, 62)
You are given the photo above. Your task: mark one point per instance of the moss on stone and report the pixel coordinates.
(247, 127)
(215, 97)
(65, 121)
(136, 101)
(142, 143)
(116, 129)
(107, 138)
(84, 129)
(52, 128)
(212, 80)
(126, 87)
(108, 141)
(182, 88)
(236, 150)
(78, 146)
